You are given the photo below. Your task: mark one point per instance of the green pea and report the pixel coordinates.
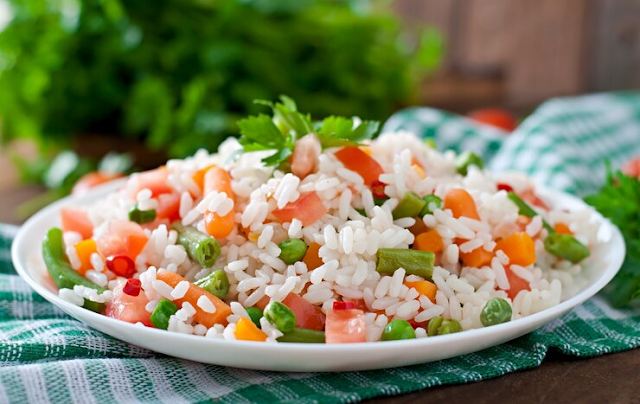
(466, 160)
(442, 326)
(142, 216)
(495, 311)
(255, 314)
(280, 316)
(429, 199)
(215, 283)
(398, 329)
(566, 247)
(292, 250)
(449, 326)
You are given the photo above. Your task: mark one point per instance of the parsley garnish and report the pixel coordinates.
(280, 132)
(619, 201)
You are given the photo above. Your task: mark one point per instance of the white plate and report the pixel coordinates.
(304, 357)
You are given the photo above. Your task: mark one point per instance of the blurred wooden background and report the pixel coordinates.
(518, 53)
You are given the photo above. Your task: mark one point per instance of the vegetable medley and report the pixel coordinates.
(311, 232)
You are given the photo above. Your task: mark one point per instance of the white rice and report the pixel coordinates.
(348, 241)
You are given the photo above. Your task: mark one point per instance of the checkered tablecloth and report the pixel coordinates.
(45, 356)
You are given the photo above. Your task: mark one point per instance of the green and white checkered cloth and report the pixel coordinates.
(45, 356)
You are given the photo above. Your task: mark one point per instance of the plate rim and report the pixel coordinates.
(527, 322)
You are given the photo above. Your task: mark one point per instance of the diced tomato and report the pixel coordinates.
(122, 238)
(344, 305)
(128, 308)
(345, 326)
(76, 220)
(92, 179)
(155, 181)
(354, 159)
(532, 198)
(632, 168)
(308, 208)
(496, 117)
(307, 315)
(168, 206)
(517, 284)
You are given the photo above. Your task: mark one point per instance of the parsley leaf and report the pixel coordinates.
(619, 201)
(280, 132)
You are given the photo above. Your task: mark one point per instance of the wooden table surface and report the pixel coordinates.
(562, 379)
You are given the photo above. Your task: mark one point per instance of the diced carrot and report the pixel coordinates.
(218, 179)
(516, 284)
(198, 176)
(419, 227)
(247, 331)
(311, 257)
(519, 247)
(523, 221)
(562, 228)
(308, 208)
(476, 258)
(193, 294)
(419, 170)
(354, 159)
(84, 250)
(426, 288)
(77, 221)
(428, 241)
(461, 204)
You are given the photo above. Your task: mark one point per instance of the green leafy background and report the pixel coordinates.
(177, 74)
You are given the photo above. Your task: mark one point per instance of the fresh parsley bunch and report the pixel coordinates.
(619, 201)
(280, 132)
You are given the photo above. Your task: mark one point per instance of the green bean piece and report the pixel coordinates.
(142, 216)
(292, 250)
(428, 200)
(526, 210)
(410, 206)
(495, 311)
(63, 275)
(201, 247)
(215, 283)
(442, 326)
(362, 212)
(466, 160)
(303, 335)
(566, 247)
(255, 314)
(280, 316)
(164, 310)
(415, 262)
(397, 330)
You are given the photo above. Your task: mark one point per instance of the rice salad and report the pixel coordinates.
(333, 238)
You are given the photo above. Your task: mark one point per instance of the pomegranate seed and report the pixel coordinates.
(121, 265)
(505, 187)
(343, 305)
(377, 189)
(132, 287)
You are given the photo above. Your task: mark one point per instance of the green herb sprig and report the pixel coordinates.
(280, 132)
(619, 201)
